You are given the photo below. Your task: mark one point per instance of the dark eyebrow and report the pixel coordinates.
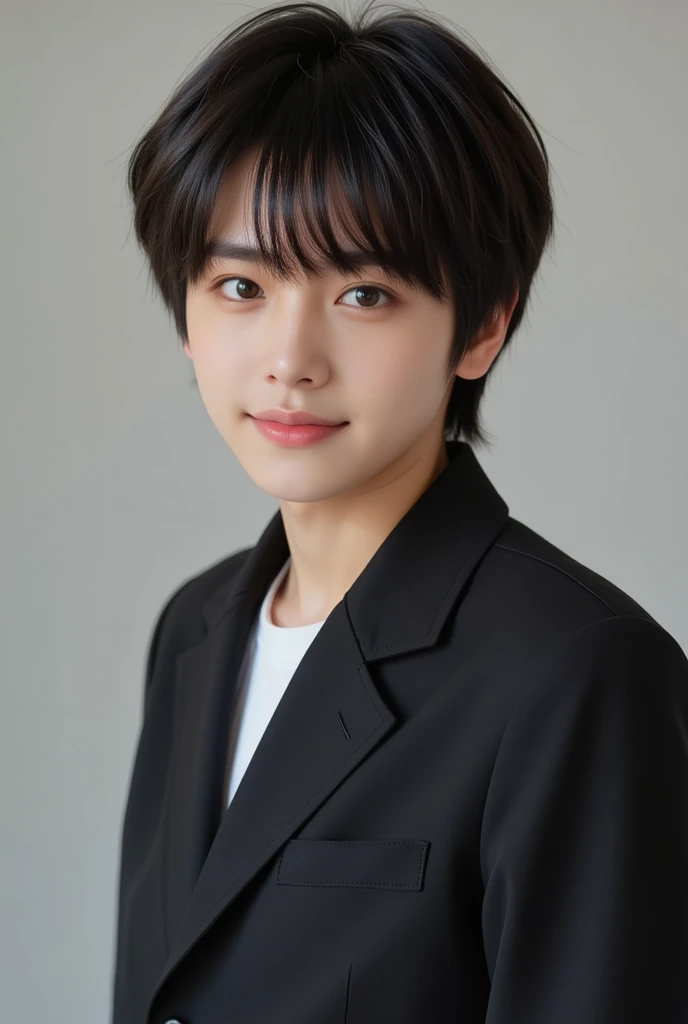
(226, 249)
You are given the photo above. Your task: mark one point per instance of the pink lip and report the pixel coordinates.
(294, 417)
(296, 436)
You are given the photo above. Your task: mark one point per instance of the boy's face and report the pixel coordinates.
(375, 358)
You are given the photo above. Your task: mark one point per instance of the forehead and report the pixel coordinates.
(232, 211)
(245, 249)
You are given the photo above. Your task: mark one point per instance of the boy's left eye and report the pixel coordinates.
(365, 291)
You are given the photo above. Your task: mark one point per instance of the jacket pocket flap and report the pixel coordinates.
(373, 863)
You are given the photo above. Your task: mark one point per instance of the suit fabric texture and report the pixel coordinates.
(469, 807)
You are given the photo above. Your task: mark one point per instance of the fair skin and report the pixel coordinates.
(376, 359)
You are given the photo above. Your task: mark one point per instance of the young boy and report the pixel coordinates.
(403, 760)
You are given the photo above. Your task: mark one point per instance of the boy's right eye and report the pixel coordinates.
(242, 282)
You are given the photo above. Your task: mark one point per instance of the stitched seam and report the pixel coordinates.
(415, 640)
(558, 568)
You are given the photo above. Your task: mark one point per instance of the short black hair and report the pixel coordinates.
(442, 169)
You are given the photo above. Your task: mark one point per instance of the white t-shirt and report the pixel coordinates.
(270, 660)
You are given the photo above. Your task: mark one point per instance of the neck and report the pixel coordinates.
(332, 541)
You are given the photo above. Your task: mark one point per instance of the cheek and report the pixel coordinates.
(219, 357)
(410, 375)
(206, 326)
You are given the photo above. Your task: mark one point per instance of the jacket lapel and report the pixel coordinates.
(331, 715)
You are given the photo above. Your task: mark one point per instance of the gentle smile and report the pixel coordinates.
(296, 435)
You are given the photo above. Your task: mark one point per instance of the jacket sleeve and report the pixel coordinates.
(584, 846)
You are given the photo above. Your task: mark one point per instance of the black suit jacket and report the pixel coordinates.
(469, 807)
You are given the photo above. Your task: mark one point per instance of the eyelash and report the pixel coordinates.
(242, 302)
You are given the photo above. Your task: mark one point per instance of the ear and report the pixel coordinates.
(187, 349)
(486, 344)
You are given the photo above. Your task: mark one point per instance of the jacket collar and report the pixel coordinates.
(401, 599)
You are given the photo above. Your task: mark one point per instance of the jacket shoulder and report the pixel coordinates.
(540, 569)
(186, 601)
(180, 623)
(529, 599)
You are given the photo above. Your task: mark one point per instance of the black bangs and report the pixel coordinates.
(331, 186)
(317, 213)
(317, 209)
(377, 140)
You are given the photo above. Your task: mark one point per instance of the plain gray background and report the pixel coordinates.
(117, 486)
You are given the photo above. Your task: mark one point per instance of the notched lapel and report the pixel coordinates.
(205, 693)
(329, 719)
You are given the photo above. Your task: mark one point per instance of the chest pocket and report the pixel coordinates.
(373, 863)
